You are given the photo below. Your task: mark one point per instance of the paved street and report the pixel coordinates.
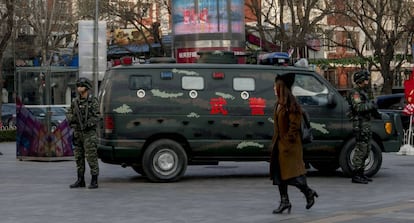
(38, 192)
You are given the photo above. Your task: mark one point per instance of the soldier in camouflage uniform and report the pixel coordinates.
(82, 116)
(361, 111)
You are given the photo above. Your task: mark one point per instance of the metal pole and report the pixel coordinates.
(95, 49)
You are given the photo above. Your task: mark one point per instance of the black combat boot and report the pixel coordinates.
(358, 177)
(284, 200)
(300, 182)
(80, 182)
(94, 182)
(366, 178)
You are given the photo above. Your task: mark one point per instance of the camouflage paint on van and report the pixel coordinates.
(217, 122)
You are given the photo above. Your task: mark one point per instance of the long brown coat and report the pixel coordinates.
(287, 143)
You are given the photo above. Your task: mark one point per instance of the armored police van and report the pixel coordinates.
(159, 118)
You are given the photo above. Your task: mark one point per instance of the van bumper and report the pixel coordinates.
(120, 153)
(392, 145)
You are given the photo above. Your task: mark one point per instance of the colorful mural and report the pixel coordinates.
(34, 140)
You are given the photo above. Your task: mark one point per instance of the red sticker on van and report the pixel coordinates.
(217, 106)
(257, 106)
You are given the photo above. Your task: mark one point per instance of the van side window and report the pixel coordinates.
(192, 83)
(140, 82)
(244, 84)
(309, 90)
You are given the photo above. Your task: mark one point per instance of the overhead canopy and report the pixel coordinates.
(130, 48)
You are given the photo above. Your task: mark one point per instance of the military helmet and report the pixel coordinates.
(84, 82)
(361, 76)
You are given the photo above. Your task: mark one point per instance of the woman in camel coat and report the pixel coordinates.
(286, 165)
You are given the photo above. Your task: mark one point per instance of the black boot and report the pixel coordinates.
(80, 182)
(284, 200)
(302, 185)
(94, 182)
(310, 198)
(284, 204)
(358, 177)
(366, 178)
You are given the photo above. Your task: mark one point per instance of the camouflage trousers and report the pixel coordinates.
(85, 148)
(363, 134)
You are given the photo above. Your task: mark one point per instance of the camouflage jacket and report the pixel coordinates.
(83, 114)
(359, 104)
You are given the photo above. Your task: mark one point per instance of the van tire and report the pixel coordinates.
(372, 164)
(164, 160)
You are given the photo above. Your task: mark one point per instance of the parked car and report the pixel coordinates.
(58, 114)
(394, 103)
(8, 114)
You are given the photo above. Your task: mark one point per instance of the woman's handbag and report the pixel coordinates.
(306, 129)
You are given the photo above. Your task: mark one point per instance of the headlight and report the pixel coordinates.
(388, 128)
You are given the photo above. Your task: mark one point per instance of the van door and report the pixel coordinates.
(240, 112)
(326, 119)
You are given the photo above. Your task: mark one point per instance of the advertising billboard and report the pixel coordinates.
(208, 16)
(203, 25)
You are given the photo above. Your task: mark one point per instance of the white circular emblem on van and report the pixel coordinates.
(140, 93)
(244, 95)
(193, 94)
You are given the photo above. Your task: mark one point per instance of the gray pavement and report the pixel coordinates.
(38, 192)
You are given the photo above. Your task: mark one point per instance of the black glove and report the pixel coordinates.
(90, 125)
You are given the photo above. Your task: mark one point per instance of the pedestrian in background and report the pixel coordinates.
(82, 116)
(286, 165)
(361, 109)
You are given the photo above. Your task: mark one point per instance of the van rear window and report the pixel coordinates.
(140, 82)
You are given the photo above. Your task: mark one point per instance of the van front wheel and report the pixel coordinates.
(164, 161)
(372, 163)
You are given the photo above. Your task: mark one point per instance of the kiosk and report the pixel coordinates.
(42, 95)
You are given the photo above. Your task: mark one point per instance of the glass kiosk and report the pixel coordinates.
(42, 97)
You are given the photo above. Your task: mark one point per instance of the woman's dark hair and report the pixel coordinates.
(286, 98)
(288, 79)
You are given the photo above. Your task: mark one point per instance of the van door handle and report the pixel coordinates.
(236, 124)
(185, 122)
(160, 120)
(210, 122)
(137, 123)
(260, 123)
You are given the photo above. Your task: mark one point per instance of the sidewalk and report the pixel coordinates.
(38, 192)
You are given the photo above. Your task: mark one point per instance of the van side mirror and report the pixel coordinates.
(331, 100)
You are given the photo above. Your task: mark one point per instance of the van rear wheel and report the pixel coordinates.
(372, 163)
(164, 160)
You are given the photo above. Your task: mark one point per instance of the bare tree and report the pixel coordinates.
(138, 14)
(288, 23)
(6, 21)
(52, 22)
(380, 24)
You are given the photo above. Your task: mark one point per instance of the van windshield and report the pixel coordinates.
(309, 90)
